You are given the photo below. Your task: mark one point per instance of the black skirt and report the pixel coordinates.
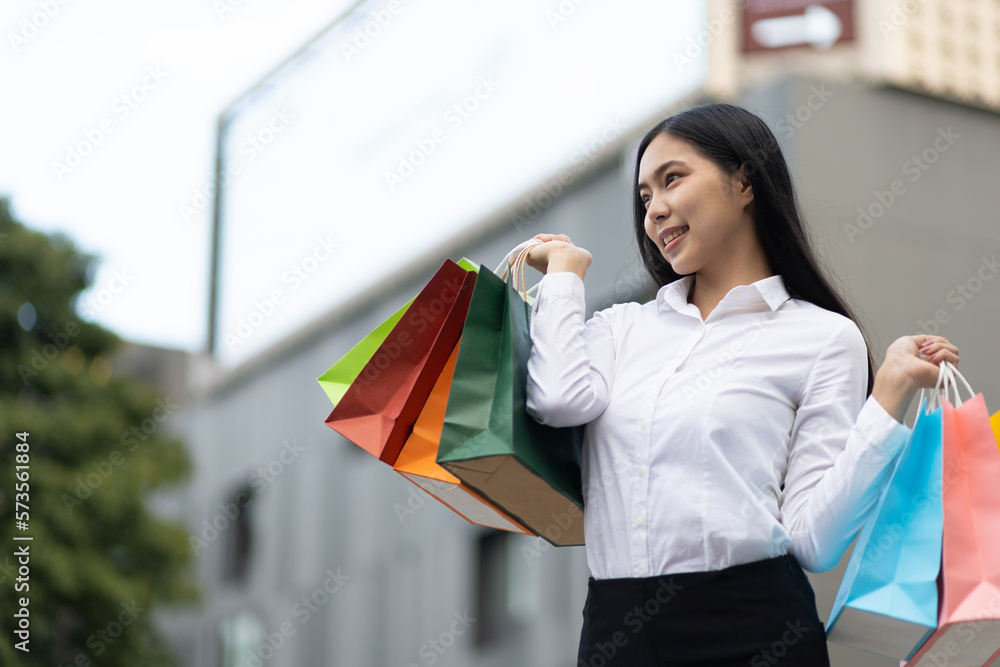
(752, 615)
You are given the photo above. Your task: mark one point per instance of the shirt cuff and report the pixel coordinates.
(565, 284)
(881, 429)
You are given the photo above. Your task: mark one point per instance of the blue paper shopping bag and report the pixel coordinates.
(888, 600)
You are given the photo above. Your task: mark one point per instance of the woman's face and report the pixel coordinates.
(697, 215)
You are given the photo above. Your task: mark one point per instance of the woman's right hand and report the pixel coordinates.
(911, 363)
(558, 253)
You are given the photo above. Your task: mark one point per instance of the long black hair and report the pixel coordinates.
(731, 137)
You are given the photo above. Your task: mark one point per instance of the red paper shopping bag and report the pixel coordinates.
(378, 410)
(968, 633)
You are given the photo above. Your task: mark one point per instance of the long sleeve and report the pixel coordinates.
(572, 360)
(838, 464)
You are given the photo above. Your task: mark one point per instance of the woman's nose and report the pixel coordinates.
(658, 209)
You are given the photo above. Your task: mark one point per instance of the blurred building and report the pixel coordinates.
(312, 553)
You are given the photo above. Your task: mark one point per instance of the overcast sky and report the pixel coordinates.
(108, 128)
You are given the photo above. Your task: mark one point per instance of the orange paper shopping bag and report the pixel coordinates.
(968, 633)
(417, 462)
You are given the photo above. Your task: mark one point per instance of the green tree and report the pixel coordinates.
(100, 560)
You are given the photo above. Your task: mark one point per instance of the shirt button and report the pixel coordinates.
(737, 294)
(643, 423)
(640, 471)
(638, 520)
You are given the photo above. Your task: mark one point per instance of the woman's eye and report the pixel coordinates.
(670, 178)
(645, 199)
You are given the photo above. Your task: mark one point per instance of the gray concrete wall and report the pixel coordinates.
(333, 507)
(920, 250)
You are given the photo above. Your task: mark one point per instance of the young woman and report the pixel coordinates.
(728, 433)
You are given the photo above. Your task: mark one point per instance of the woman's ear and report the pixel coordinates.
(743, 182)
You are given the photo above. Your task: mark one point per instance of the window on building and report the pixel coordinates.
(238, 536)
(506, 587)
(239, 639)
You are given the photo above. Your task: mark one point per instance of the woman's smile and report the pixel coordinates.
(671, 237)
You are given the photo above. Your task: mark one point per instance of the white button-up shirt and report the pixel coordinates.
(712, 443)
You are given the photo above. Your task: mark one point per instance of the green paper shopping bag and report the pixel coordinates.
(345, 371)
(489, 441)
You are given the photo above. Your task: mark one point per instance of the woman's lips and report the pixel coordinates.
(678, 234)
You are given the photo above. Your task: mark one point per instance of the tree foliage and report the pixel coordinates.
(100, 559)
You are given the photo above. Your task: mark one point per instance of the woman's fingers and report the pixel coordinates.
(937, 349)
(557, 245)
(937, 356)
(911, 362)
(538, 255)
(552, 237)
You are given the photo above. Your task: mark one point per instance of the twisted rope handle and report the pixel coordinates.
(515, 262)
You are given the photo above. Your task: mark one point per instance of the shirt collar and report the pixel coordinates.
(771, 290)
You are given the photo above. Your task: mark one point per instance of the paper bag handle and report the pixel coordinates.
(952, 376)
(934, 395)
(515, 262)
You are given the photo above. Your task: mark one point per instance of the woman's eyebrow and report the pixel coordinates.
(662, 168)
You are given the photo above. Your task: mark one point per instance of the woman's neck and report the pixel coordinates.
(710, 288)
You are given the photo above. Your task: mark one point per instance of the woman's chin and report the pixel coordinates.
(678, 265)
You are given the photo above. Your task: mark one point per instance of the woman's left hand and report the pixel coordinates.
(911, 363)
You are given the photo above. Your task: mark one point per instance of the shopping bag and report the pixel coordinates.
(379, 407)
(346, 370)
(995, 422)
(888, 600)
(968, 633)
(417, 462)
(489, 441)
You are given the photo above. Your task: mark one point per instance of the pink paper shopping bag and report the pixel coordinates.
(968, 633)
